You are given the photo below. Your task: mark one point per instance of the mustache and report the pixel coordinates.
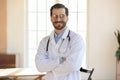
(58, 22)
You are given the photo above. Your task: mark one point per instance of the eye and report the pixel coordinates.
(54, 16)
(62, 15)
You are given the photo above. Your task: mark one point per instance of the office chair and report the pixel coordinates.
(84, 70)
(90, 71)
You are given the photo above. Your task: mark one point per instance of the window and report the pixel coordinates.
(39, 24)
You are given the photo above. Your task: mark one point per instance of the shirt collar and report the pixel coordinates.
(64, 34)
(57, 37)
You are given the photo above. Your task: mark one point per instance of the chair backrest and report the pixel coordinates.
(90, 71)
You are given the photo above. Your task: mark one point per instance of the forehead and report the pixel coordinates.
(58, 11)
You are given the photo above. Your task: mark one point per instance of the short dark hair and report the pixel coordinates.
(57, 6)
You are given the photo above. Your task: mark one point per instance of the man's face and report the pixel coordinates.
(59, 18)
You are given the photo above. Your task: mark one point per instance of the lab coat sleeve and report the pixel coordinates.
(74, 60)
(43, 63)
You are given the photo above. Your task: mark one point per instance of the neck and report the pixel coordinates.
(59, 31)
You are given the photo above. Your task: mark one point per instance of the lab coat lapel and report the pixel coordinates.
(63, 44)
(65, 33)
(53, 44)
(52, 40)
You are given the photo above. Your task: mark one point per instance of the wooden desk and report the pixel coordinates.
(19, 72)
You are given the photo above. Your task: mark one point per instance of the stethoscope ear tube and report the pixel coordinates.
(68, 36)
(47, 44)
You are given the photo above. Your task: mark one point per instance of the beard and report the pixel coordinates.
(59, 25)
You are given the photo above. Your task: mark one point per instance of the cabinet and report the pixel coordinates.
(7, 61)
(117, 69)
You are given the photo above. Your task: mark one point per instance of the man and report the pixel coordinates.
(61, 53)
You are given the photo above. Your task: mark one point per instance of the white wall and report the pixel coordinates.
(15, 28)
(103, 20)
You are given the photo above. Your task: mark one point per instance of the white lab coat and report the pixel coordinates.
(70, 52)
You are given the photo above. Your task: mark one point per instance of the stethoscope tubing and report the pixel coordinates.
(68, 36)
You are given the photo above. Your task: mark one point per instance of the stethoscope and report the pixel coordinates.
(68, 36)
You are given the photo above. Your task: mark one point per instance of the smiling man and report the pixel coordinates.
(61, 53)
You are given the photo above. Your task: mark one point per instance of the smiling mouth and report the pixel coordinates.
(58, 23)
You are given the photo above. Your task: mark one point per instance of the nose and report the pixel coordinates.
(58, 19)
